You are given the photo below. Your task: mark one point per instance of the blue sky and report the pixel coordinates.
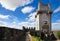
(18, 13)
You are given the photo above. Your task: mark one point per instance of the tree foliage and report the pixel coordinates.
(58, 34)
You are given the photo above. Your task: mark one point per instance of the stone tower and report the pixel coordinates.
(43, 17)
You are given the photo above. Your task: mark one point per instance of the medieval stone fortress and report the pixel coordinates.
(42, 29)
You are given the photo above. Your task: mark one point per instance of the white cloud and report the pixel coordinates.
(58, 21)
(4, 16)
(56, 10)
(24, 24)
(28, 24)
(13, 4)
(27, 9)
(31, 22)
(3, 23)
(10, 25)
(11, 21)
(56, 25)
(31, 17)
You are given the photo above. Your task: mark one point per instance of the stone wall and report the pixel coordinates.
(10, 34)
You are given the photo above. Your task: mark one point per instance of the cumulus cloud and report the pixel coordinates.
(27, 9)
(10, 25)
(3, 23)
(31, 17)
(28, 24)
(56, 10)
(13, 4)
(11, 21)
(4, 16)
(31, 22)
(56, 25)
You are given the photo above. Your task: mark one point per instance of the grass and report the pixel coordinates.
(34, 38)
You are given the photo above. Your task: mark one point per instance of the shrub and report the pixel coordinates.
(35, 38)
(58, 34)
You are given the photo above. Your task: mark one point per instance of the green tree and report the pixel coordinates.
(58, 34)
